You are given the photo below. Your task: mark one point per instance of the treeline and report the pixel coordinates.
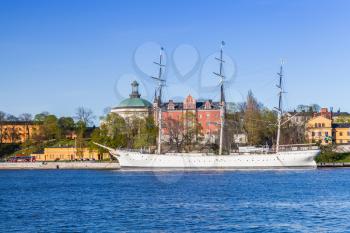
(50, 130)
(118, 132)
(259, 123)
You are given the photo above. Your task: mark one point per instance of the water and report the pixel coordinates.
(113, 201)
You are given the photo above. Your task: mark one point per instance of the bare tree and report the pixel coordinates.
(85, 116)
(13, 134)
(26, 118)
(2, 120)
(175, 131)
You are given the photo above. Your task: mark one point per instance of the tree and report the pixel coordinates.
(13, 134)
(252, 120)
(183, 133)
(66, 125)
(2, 120)
(113, 130)
(50, 127)
(41, 116)
(85, 116)
(147, 133)
(26, 118)
(175, 131)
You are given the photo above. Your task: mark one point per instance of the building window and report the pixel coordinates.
(348, 133)
(315, 125)
(326, 134)
(322, 124)
(340, 133)
(319, 133)
(313, 134)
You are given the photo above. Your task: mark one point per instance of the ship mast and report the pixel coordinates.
(222, 97)
(161, 83)
(279, 108)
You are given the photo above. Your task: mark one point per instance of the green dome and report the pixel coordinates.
(134, 103)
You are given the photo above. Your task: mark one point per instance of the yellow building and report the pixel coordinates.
(319, 130)
(18, 131)
(341, 133)
(69, 153)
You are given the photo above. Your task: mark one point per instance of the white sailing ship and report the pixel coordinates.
(293, 156)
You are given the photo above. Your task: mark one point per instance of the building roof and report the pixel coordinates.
(341, 125)
(135, 100)
(199, 105)
(341, 114)
(304, 114)
(134, 103)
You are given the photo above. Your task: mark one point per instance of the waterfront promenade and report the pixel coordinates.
(60, 165)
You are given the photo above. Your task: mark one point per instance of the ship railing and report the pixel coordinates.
(298, 147)
(271, 150)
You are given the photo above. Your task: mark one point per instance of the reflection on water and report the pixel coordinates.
(110, 201)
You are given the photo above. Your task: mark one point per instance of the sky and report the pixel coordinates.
(59, 55)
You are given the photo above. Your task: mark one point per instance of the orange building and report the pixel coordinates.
(341, 133)
(18, 131)
(69, 153)
(319, 130)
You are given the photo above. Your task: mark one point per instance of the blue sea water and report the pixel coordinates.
(215, 201)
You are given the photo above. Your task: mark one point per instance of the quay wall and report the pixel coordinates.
(60, 165)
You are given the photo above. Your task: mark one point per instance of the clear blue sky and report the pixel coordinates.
(58, 55)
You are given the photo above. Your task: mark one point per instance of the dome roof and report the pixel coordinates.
(134, 103)
(135, 100)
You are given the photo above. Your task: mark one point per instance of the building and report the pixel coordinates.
(69, 154)
(319, 130)
(325, 128)
(18, 131)
(324, 113)
(134, 106)
(341, 117)
(341, 133)
(299, 118)
(204, 113)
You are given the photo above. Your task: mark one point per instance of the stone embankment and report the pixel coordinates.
(333, 165)
(60, 165)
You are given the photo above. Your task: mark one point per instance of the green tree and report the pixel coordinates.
(41, 116)
(147, 133)
(50, 127)
(113, 130)
(66, 125)
(252, 120)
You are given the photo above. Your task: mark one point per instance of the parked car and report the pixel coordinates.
(21, 158)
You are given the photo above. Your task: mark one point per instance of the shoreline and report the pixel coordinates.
(59, 165)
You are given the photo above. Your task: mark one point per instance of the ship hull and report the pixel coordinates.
(292, 159)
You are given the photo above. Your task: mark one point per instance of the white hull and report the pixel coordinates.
(290, 159)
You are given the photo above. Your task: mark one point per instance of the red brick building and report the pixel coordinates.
(205, 113)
